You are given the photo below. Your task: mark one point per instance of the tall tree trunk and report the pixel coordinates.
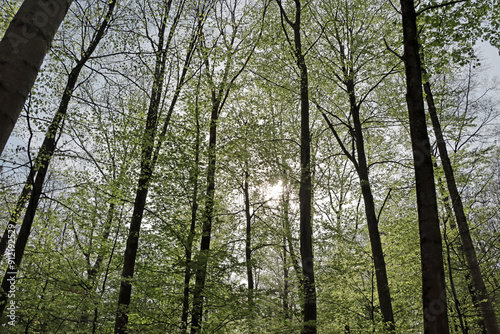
(449, 221)
(361, 166)
(22, 51)
(384, 294)
(95, 323)
(248, 243)
(286, 302)
(431, 249)
(305, 192)
(192, 228)
(201, 269)
(146, 172)
(452, 284)
(18, 208)
(42, 164)
(218, 97)
(486, 307)
(248, 251)
(287, 233)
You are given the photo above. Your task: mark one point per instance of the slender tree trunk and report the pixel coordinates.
(201, 270)
(93, 271)
(219, 96)
(22, 51)
(288, 235)
(305, 192)
(486, 307)
(16, 213)
(371, 215)
(248, 241)
(248, 250)
(433, 279)
(449, 221)
(41, 166)
(372, 222)
(452, 285)
(192, 228)
(135, 225)
(95, 323)
(48, 146)
(147, 167)
(305, 197)
(286, 304)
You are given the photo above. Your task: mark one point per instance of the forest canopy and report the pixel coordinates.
(249, 166)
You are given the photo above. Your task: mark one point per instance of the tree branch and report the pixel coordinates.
(438, 6)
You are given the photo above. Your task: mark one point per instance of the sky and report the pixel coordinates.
(492, 58)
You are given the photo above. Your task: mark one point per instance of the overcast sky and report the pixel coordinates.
(492, 59)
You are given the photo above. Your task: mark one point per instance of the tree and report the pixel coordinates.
(350, 42)
(227, 71)
(22, 50)
(484, 300)
(305, 193)
(34, 186)
(147, 158)
(433, 279)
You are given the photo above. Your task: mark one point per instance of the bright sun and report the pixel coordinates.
(274, 192)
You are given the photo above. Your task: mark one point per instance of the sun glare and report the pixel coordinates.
(273, 192)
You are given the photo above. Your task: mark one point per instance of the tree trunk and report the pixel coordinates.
(16, 213)
(147, 167)
(448, 246)
(384, 294)
(486, 307)
(305, 192)
(248, 250)
(433, 279)
(22, 50)
(41, 166)
(286, 303)
(201, 271)
(192, 228)
(248, 242)
(361, 167)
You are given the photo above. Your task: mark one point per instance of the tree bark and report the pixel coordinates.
(305, 192)
(248, 251)
(42, 164)
(361, 166)
(384, 294)
(248, 242)
(448, 246)
(201, 271)
(22, 50)
(433, 279)
(485, 304)
(192, 228)
(147, 167)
